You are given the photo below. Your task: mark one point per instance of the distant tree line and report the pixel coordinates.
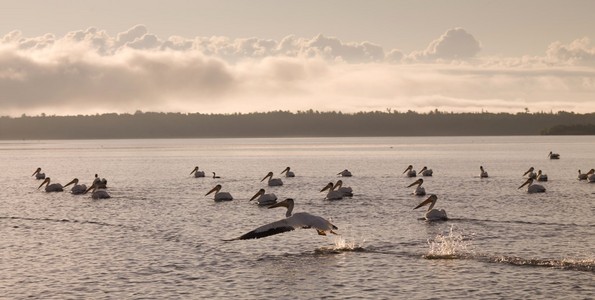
(288, 124)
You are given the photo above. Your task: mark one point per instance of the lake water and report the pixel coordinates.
(160, 237)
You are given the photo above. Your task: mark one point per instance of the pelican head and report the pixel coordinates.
(195, 169)
(285, 203)
(216, 189)
(269, 175)
(529, 171)
(285, 170)
(481, 168)
(409, 168)
(528, 182)
(418, 182)
(259, 193)
(330, 186)
(45, 181)
(36, 171)
(422, 169)
(74, 181)
(592, 171)
(431, 200)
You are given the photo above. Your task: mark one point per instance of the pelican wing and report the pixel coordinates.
(267, 230)
(298, 220)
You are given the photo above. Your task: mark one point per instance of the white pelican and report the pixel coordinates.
(215, 176)
(100, 182)
(419, 190)
(345, 173)
(530, 173)
(591, 177)
(540, 176)
(38, 174)
(54, 187)
(220, 196)
(197, 173)
(433, 214)
(272, 181)
(99, 191)
(553, 155)
(264, 199)
(483, 173)
(426, 172)
(332, 194)
(289, 173)
(346, 191)
(410, 172)
(586, 175)
(291, 222)
(76, 189)
(533, 188)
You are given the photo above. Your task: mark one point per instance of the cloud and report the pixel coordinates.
(578, 52)
(455, 44)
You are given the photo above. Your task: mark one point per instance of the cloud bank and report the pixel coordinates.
(89, 71)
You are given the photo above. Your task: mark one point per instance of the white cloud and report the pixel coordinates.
(579, 52)
(455, 44)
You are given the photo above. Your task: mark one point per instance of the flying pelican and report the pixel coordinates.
(483, 173)
(215, 175)
(54, 187)
(533, 188)
(553, 155)
(291, 222)
(346, 191)
(345, 173)
(586, 175)
(332, 194)
(197, 173)
(540, 176)
(220, 196)
(530, 173)
(426, 172)
(272, 181)
(264, 199)
(99, 191)
(419, 190)
(410, 172)
(76, 189)
(38, 174)
(433, 214)
(289, 173)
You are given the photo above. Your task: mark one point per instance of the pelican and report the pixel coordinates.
(100, 182)
(586, 175)
(540, 176)
(197, 173)
(426, 172)
(220, 196)
(332, 194)
(264, 199)
(533, 188)
(553, 155)
(433, 214)
(410, 172)
(54, 187)
(289, 173)
(530, 173)
(38, 174)
(99, 191)
(346, 191)
(345, 173)
(215, 176)
(272, 181)
(291, 222)
(76, 189)
(483, 173)
(419, 190)
(591, 177)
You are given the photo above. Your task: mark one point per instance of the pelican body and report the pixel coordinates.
(76, 189)
(290, 223)
(344, 173)
(553, 155)
(264, 199)
(98, 191)
(220, 196)
(533, 188)
(54, 187)
(540, 176)
(483, 173)
(586, 175)
(530, 173)
(197, 173)
(419, 190)
(410, 172)
(346, 191)
(426, 172)
(99, 182)
(38, 174)
(288, 173)
(433, 214)
(332, 193)
(272, 181)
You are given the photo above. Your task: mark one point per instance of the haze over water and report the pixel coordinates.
(160, 237)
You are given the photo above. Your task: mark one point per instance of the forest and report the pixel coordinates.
(292, 124)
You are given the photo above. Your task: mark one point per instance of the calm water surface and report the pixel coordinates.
(159, 237)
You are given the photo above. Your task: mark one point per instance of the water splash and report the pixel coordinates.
(341, 245)
(450, 246)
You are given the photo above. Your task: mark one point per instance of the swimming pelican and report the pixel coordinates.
(215, 175)
(38, 174)
(419, 190)
(290, 223)
(100, 182)
(533, 188)
(483, 173)
(346, 191)
(586, 175)
(433, 214)
(264, 199)
(410, 172)
(54, 187)
(272, 181)
(220, 196)
(530, 173)
(540, 176)
(591, 177)
(99, 191)
(197, 173)
(76, 189)
(426, 172)
(332, 194)
(553, 155)
(289, 173)
(345, 173)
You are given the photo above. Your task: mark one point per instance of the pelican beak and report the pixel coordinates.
(71, 182)
(36, 171)
(268, 175)
(47, 180)
(524, 184)
(327, 187)
(286, 169)
(431, 199)
(212, 190)
(195, 169)
(92, 187)
(279, 204)
(256, 195)
(416, 182)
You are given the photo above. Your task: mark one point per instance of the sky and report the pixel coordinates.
(66, 57)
